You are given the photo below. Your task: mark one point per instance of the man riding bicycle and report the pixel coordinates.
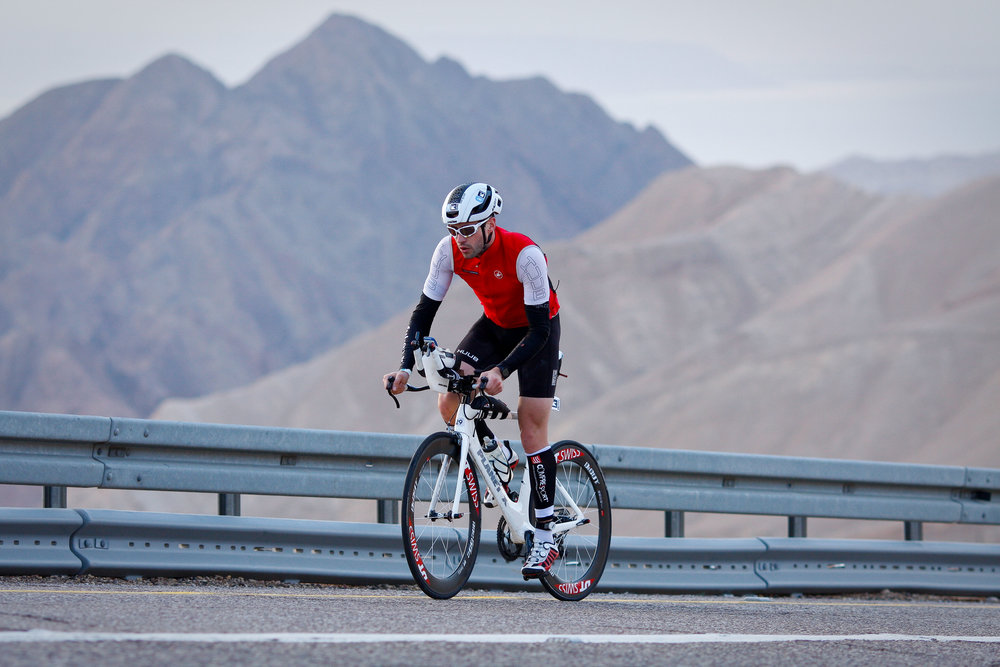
(518, 331)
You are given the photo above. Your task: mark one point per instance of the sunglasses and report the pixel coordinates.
(467, 230)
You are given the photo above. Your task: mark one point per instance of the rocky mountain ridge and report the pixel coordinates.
(928, 177)
(163, 235)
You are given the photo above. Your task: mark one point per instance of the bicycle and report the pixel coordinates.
(441, 520)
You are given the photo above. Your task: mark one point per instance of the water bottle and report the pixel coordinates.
(502, 456)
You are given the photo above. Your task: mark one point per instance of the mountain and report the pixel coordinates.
(163, 235)
(921, 177)
(724, 309)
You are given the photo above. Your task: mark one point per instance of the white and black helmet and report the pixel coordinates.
(472, 202)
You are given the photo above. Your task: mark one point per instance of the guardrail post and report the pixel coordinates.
(673, 524)
(229, 504)
(54, 497)
(796, 526)
(913, 531)
(388, 511)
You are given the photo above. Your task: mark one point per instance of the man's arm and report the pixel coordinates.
(439, 277)
(435, 287)
(420, 322)
(533, 272)
(539, 327)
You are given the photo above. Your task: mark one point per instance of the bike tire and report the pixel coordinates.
(440, 552)
(584, 551)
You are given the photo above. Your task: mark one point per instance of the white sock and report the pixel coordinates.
(542, 535)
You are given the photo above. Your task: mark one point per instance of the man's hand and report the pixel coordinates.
(494, 381)
(395, 382)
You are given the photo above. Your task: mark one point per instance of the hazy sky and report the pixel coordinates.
(749, 82)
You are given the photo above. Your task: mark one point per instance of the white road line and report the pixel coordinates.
(49, 636)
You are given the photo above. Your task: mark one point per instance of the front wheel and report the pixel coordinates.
(583, 551)
(440, 544)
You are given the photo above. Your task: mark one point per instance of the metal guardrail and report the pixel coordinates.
(143, 544)
(114, 453)
(799, 487)
(58, 451)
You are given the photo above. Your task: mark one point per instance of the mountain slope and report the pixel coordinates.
(870, 357)
(764, 312)
(805, 332)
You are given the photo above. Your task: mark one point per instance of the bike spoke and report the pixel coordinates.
(440, 547)
(584, 548)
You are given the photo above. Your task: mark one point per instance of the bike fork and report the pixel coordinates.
(463, 462)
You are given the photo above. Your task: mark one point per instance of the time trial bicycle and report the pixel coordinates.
(443, 500)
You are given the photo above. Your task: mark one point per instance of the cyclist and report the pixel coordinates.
(518, 331)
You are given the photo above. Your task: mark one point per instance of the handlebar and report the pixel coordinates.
(466, 384)
(438, 365)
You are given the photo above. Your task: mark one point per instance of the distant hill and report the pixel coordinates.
(163, 235)
(765, 312)
(921, 177)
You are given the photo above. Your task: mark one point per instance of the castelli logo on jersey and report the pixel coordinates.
(498, 274)
(415, 550)
(568, 454)
(576, 587)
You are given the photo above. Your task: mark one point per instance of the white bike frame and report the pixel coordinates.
(515, 513)
(433, 359)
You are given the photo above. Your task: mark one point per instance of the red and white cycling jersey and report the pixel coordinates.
(509, 275)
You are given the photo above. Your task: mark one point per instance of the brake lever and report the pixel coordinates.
(480, 382)
(388, 388)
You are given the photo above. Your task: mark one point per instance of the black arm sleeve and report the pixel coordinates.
(539, 327)
(420, 322)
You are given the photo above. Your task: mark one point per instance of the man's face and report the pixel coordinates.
(473, 245)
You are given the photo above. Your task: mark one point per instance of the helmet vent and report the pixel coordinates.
(470, 202)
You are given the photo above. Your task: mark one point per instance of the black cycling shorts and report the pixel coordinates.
(487, 344)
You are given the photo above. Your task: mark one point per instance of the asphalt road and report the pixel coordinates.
(63, 621)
